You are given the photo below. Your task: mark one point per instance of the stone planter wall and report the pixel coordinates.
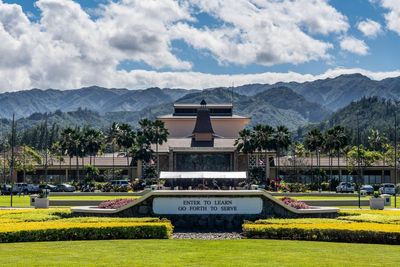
(209, 221)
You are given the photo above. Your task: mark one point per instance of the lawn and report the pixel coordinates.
(23, 201)
(197, 253)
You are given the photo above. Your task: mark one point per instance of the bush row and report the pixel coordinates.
(315, 234)
(140, 231)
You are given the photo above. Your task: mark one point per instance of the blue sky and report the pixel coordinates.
(163, 43)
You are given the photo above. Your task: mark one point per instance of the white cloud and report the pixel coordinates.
(393, 16)
(369, 28)
(197, 80)
(265, 32)
(66, 48)
(354, 45)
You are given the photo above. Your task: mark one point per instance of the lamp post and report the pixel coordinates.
(395, 159)
(358, 162)
(12, 159)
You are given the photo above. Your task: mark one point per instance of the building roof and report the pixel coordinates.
(203, 175)
(199, 105)
(171, 116)
(185, 144)
(203, 122)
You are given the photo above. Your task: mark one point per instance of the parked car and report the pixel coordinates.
(345, 187)
(24, 188)
(387, 189)
(50, 187)
(66, 188)
(368, 188)
(5, 189)
(120, 183)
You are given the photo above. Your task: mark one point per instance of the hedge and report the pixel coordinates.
(265, 231)
(137, 231)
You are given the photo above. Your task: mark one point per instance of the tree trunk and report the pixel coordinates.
(77, 169)
(70, 169)
(158, 161)
(312, 168)
(338, 165)
(127, 162)
(265, 164)
(113, 165)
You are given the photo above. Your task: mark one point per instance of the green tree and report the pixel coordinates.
(125, 138)
(93, 141)
(111, 138)
(282, 140)
(245, 143)
(376, 140)
(91, 173)
(313, 142)
(25, 160)
(156, 133)
(367, 157)
(263, 141)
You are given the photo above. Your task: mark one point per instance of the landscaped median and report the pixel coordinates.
(380, 227)
(56, 225)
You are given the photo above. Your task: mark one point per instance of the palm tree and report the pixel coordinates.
(313, 143)
(337, 140)
(79, 149)
(245, 143)
(377, 140)
(112, 140)
(68, 146)
(93, 140)
(263, 141)
(57, 151)
(282, 140)
(141, 149)
(156, 133)
(125, 138)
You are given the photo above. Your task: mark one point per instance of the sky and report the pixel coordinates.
(136, 44)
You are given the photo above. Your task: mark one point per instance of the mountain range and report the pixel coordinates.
(292, 104)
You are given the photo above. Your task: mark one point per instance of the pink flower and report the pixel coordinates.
(115, 203)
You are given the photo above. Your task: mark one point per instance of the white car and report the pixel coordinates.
(387, 189)
(345, 187)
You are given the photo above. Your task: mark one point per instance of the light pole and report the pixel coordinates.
(358, 162)
(12, 159)
(395, 159)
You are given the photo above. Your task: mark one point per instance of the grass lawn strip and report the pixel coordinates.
(191, 253)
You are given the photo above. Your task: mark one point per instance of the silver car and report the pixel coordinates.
(387, 189)
(345, 187)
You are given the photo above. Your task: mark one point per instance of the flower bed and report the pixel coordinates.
(294, 203)
(54, 225)
(115, 203)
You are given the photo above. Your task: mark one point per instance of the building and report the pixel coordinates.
(202, 138)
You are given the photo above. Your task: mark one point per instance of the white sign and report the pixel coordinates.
(207, 205)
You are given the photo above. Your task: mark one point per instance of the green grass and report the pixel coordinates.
(23, 201)
(197, 253)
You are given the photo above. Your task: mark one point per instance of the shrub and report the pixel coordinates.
(321, 234)
(296, 187)
(294, 203)
(115, 203)
(138, 231)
